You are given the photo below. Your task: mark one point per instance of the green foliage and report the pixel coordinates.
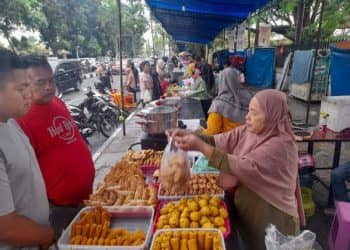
(87, 25)
(336, 15)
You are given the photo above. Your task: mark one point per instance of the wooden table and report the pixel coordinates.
(331, 137)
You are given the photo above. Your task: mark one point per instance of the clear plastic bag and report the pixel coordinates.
(175, 171)
(274, 240)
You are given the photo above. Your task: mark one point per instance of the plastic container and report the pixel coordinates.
(202, 166)
(130, 218)
(338, 108)
(163, 203)
(308, 203)
(191, 230)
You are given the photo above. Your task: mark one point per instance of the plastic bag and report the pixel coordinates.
(274, 240)
(175, 171)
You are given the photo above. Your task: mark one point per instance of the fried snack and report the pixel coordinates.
(144, 157)
(198, 185)
(175, 174)
(190, 242)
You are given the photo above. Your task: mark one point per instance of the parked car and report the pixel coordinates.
(67, 74)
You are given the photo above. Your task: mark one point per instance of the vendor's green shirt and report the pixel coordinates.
(200, 90)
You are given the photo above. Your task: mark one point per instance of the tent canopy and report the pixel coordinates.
(200, 21)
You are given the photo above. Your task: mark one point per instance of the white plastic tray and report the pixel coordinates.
(130, 218)
(190, 230)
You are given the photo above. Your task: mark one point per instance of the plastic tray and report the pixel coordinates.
(130, 218)
(161, 204)
(191, 230)
(177, 197)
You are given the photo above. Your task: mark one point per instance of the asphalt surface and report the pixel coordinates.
(76, 97)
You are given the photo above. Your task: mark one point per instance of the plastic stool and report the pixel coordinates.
(339, 235)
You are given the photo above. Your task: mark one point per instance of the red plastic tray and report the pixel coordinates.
(162, 203)
(148, 171)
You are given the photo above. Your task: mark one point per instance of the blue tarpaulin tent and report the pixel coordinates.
(200, 21)
(340, 66)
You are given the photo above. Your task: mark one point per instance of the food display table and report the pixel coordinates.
(116, 147)
(329, 137)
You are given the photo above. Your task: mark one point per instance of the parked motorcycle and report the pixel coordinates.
(93, 114)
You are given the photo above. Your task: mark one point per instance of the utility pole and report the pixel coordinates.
(119, 42)
(153, 52)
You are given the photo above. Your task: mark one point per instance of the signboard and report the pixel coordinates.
(231, 37)
(264, 35)
(241, 36)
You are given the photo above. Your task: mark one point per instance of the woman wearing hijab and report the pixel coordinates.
(157, 89)
(260, 159)
(229, 108)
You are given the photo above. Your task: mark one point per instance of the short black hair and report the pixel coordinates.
(36, 61)
(9, 61)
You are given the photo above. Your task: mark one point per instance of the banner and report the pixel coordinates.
(241, 37)
(264, 35)
(231, 37)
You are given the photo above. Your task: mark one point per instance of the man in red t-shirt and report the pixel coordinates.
(64, 158)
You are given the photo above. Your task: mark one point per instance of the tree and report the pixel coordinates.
(15, 13)
(298, 19)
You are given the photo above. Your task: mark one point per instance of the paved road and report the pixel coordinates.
(75, 97)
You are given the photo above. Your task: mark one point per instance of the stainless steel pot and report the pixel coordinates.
(156, 120)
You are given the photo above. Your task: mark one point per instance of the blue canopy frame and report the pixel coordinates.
(200, 21)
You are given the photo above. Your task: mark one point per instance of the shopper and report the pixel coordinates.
(64, 158)
(130, 80)
(146, 86)
(157, 89)
(24, 209)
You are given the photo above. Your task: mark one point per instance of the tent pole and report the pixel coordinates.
(119, 18)
(314, 64)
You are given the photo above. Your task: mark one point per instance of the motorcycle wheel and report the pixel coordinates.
(107, 127)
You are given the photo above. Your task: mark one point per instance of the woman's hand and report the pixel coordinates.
(188, 142)
(177, 132)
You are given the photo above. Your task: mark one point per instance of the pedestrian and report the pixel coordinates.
(130, 80)
(64, 158)
(146, 86)
(157, 89)
(161, 65)
(24, 208)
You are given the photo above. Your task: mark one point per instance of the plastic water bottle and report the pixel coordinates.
(323, 123)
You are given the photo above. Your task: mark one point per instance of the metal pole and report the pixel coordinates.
(119, 18)
(152, 38)
(314, 65)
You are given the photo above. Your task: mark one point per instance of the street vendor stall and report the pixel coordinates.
(133, 203)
